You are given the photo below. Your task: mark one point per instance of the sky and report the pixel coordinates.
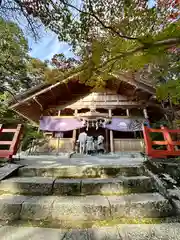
(47, 46)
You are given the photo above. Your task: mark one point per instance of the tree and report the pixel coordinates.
(18, 72)
(110, 36)
(61, 62)
(13, 54)
(36, 71)
(12, 10)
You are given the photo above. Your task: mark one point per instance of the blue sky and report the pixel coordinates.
(47, 46)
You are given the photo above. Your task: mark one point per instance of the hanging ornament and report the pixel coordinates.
(105, 122)
(87, 126)
(97, 125)
(83, 123)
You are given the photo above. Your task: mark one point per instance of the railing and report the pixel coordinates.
(170, 145)
(13, 144)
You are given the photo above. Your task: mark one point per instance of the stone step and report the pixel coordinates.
(122, 231)
(27, 185)
(86, 171)
(117, 186)
(90, 186)
(84, 208)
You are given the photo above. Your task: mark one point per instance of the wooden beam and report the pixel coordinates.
(134, 82)
(39, 104)
(30, 120)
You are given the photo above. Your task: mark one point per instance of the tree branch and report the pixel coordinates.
(166, 42)
(99, 20)
(30, 23)
(108, 27)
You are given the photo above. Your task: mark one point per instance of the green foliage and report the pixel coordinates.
(169, 90)
(159, 136)
(13, 54)
(18, 72)
(7, 116)
(109, 37)
(36, 72)
(31, 133)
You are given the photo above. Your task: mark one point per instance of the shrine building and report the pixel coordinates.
(64, 109)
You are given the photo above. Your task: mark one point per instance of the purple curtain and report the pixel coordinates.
(59, 124)
(67, 124)
(125, 125)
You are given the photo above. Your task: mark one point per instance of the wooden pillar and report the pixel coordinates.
(127, 112)
(74, 134)
(107, 140)
(58, 139)
(111, 135)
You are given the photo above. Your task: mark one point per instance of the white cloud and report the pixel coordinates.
(48, 46)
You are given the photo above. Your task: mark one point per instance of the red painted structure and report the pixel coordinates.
(13, 144)
(168, 142)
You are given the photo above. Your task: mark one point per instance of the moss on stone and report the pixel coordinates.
(85, 224)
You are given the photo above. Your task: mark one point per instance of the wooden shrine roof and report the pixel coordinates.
(34, 102)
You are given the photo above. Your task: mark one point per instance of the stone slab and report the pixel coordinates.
(95, 207)
(10, 206)
(174, 193)
(103, 233)
(121, 185)
(166, 231)
(27, 185)
(30, 233)
(81, 208)
(7, 170)
(140, 205)
(86, 171)
(37, 208)
(67, 187)
(65, 208)
(48, 171)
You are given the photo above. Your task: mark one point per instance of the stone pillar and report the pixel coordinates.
(111, 135)
(74, 134)
(145, 113)
(127, 112)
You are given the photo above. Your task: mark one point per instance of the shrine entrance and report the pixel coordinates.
(94, 125)
(92, 131)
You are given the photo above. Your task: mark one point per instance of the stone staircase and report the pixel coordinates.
(82, 197)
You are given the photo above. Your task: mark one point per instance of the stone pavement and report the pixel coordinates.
(167, 231)
(110, 159)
